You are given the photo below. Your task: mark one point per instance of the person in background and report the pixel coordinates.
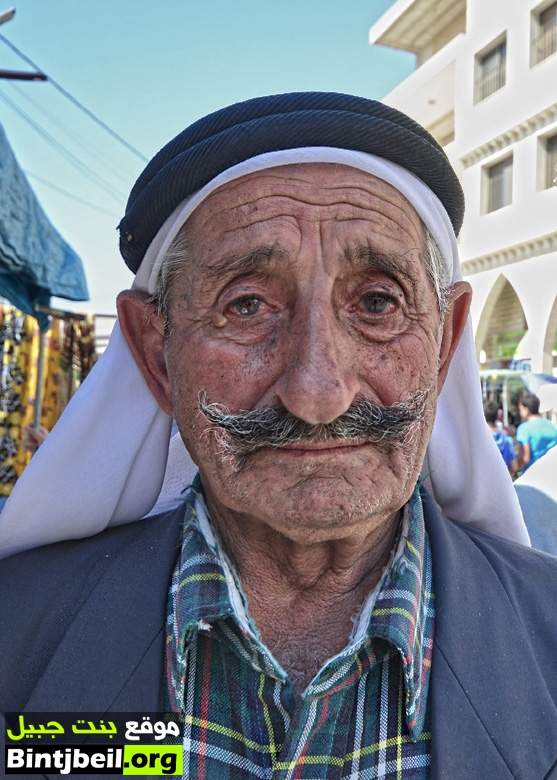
(32, 438)
(500, 422)
(502, 440)
(537, 493)
(536, 435)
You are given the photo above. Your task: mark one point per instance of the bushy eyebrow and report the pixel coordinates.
(262, 257)
(255, 260)
(389, 263)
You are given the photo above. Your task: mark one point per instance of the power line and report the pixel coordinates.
(93, 152)
(82, 167)
(68, 194)
(75, 101)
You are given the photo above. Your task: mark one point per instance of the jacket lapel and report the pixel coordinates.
(111, 657)
(492, 713)
(461, 747)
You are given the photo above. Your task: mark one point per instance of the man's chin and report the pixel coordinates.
(314, 499)
(323, 511)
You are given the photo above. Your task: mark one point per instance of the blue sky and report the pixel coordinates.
(149, 69)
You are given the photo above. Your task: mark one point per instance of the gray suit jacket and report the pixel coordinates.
(82, 629)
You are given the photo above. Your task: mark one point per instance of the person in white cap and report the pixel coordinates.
(345, 588)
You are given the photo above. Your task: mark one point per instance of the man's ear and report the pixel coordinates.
(143, 329)
(456, 315)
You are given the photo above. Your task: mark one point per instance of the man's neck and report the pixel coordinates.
(304, 597)
(530, 418)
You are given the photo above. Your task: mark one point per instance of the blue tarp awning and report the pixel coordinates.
(35, 261)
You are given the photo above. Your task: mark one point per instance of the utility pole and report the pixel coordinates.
(7, 16)
(18, 75)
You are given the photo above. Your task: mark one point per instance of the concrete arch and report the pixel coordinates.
(550, 339)
(502, 291)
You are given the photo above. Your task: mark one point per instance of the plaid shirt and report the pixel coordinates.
(364, 715)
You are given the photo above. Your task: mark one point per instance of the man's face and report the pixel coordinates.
(306, 289)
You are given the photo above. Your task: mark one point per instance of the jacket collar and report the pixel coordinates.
(128, 605)
(494, 719)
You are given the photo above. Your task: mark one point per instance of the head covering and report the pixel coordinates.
(293, 121)
(104, 462)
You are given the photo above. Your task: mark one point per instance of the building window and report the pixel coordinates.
(544, 33)
(497, 185)
(547, 162)
(551, 161)
(491, 70)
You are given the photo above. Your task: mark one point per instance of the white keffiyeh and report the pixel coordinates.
(104, 461)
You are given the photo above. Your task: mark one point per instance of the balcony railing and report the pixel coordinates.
(544, 45)
(490, 82)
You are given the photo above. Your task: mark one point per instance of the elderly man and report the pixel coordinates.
(307, 609)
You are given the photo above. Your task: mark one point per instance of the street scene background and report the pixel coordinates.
(116, 80)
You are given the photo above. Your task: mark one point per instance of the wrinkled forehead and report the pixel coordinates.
(311, 191)
(378, 184)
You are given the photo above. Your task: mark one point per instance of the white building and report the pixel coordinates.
(485, 86)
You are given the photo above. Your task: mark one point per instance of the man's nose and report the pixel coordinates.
(320, 381)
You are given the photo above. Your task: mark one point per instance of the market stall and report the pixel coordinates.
(44, 353)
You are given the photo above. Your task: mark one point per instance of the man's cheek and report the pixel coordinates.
(238, 383)
(393, 373)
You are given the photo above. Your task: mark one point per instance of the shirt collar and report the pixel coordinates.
(399, 610)
(403, 613)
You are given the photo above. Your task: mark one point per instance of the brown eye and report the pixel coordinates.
(376, 302)
(246, 307)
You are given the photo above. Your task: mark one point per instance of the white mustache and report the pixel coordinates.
(364, 421)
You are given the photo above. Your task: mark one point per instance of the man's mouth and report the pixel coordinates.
(319, 449)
